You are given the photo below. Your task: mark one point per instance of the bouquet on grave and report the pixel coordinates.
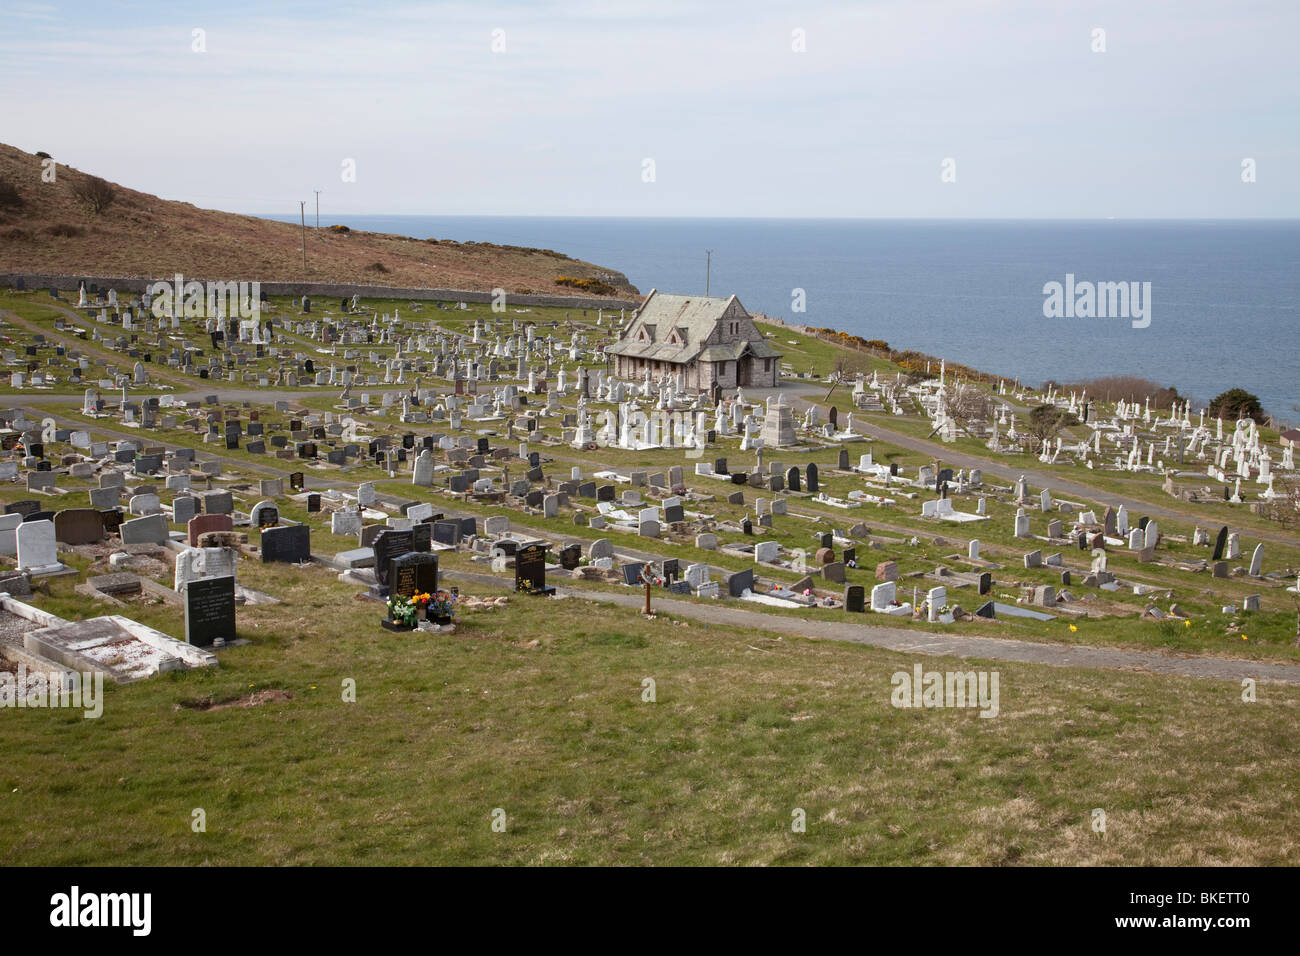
(439, 605)
(404, 610)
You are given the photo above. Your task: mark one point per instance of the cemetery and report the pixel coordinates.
(501, 441)
(191, 489)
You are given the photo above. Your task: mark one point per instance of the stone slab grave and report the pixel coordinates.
(123, 649)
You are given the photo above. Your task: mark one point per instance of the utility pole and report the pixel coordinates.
(302, 210)
(317, 212)
(708, 263)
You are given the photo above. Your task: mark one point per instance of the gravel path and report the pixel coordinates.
(936, 645)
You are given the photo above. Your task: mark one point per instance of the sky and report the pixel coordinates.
(871, 108)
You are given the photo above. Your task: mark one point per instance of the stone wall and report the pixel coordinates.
(322, 290)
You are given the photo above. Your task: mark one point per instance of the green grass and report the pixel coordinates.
(745, 729)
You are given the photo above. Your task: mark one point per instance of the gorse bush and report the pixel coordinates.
(64, 231)
(594, 286)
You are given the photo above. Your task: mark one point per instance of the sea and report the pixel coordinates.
(1224, 306)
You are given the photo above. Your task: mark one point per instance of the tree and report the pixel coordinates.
(1046, 420)
(968, 405)
(1237, 403)
(847, 365)
(1285, 508)
(96, 193)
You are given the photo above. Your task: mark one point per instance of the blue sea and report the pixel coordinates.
(1225, 295)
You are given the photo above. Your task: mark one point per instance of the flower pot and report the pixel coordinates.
(440, 620)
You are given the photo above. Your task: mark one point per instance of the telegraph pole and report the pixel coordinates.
(708, 262)
(317, 212)
(302, 211)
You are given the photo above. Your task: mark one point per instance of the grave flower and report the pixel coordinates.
(441, 607)
(406, 611)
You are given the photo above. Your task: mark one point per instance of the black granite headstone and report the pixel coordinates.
(1220, 543)
(210, 610)
(413, 573)
(740, 582)
(289, 545)
(388, 545)
(855, 598)
(530, 570)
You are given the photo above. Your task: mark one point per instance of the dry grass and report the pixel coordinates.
(140, 235)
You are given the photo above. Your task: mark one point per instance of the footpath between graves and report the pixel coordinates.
(159, 373)
(896, 639)
(623, 549)
(920, 642)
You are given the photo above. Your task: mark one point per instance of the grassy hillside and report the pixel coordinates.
(550, 725)
(47, 227)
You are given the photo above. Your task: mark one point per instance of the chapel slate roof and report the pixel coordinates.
(679, 327)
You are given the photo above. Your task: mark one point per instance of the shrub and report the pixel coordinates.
(1130, 388)
(339, 229)
(594, 286)
(9, 196)
(97, 194)
(378, 267)
(17, 235)
(41, 154)
(64, 231)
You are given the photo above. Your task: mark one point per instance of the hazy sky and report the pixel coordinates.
(736, 121)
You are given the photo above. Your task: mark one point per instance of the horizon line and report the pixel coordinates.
(436, 215)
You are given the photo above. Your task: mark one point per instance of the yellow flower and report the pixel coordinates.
(1187, 623)
(1073, 628)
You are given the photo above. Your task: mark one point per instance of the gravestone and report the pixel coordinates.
(201, 524)
(79, 526)
(740, 582)
(37, 547)
(413, 573)
(288, 545)
(1220, 543)
(210, 610)
(184, 507)
(390, 545)
(530, 570)
(151, 529)
(855, 599)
